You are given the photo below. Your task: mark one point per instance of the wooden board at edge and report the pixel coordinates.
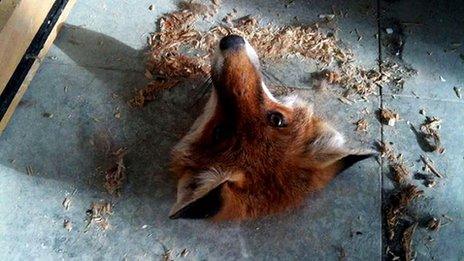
(22, 89)
(18, 30)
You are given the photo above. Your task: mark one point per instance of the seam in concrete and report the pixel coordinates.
(381, 180)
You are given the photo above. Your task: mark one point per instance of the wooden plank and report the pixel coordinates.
(6, 10)
(18, 31)
(25, 84)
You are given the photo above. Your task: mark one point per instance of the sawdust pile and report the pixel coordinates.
(399, 227)
(180, 50)
(399, 203)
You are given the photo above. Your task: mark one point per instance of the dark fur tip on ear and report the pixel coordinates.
(351, 159)
(204, 207)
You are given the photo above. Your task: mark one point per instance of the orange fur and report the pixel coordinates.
(259, 168)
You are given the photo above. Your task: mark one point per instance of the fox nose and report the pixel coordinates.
(231, 41)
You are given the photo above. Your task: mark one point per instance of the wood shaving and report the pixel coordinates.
(389, 117)
(66, 203)
(430, 134)
(407, 242)
(457, 91)
(29, 171)
(116, 175)
(184, 252)
(67, 225)
(345, 100)
(99, 213)
(430, 167)
(362, 125)
(434, 224)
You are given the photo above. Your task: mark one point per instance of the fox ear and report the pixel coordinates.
(354, 157)
(199, 196)
(329, 149)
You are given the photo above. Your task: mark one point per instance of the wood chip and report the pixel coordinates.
(362, 125)
(389, 117)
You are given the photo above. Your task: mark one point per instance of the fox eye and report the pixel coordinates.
(276, 119)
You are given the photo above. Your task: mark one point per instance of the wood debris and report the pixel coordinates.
(29, 170)
(66, 203)
(434, 224)
(407, 242)
(67, 200)
(345, 100)
(180, 50)
(386, 150)
(399, 203)
(395, 74)
(400, 171)
(389, 117)
(184, 253)
(430, 134)
(99, 213)
(115, 176)
(430, 167)
(430, 183)
(67, 225)
(457, 90)
(362, 125)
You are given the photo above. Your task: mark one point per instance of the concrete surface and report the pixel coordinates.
(93, 70)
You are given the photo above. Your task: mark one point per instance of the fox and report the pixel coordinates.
(249, 154)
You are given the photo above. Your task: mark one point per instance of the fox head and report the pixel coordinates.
(249, 154)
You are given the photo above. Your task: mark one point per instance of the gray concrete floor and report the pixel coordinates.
(90, 74)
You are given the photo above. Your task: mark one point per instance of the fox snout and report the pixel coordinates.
(250, 154)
